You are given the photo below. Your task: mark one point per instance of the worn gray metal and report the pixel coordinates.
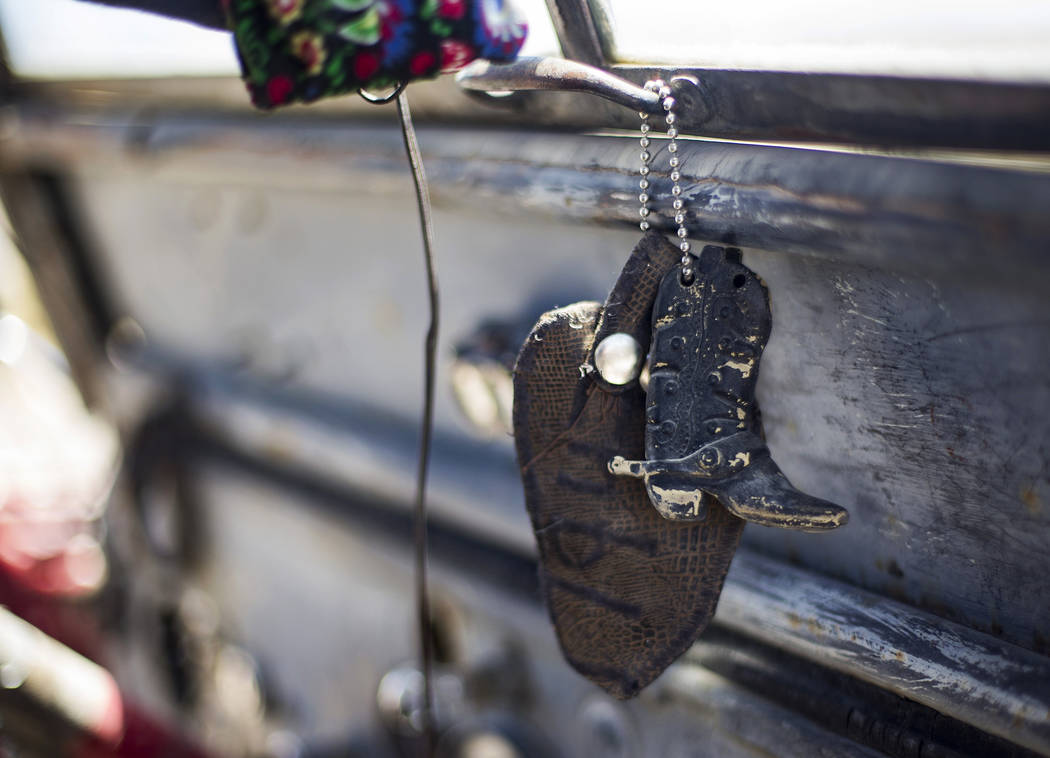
(972, 677)
(689, 713)
(964, 674)
(926, 217)
(912, 293)
(905, 376)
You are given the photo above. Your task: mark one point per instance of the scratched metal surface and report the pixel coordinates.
(920, 403)
(905, 377)
(302, 620)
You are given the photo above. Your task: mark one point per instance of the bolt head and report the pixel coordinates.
(618, 358)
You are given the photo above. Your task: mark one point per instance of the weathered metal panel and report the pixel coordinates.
(972, 677)
(905, 376)
(910, 293)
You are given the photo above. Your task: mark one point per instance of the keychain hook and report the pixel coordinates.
(368, 97)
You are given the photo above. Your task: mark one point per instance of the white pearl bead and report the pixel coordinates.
(618, 358)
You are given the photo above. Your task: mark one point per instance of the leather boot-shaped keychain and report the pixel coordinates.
(704, 443)
(711, 323)
(634, 547)
(628, 590)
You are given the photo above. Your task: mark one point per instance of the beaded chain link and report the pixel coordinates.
(646, 156)
(668, 102)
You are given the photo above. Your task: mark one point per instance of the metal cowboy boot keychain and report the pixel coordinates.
(638, 502)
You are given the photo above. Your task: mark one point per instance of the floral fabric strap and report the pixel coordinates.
(303, 50)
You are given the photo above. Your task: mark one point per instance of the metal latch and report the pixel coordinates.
(564, 75)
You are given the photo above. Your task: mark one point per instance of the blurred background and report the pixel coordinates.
(211, 331)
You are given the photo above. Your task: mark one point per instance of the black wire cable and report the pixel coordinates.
(419, 178)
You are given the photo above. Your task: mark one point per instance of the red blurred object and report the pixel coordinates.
(49, 553)
(144, 737)
(82, 694)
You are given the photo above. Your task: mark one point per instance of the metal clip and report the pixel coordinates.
(556, 74)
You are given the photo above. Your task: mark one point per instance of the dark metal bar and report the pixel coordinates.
(778, 106)
(203, 12)
(868, 110)
(52, 237)
(576, 30)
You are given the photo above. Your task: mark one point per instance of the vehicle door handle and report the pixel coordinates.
(557, 74)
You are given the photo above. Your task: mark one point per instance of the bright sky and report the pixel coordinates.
(1008, 39)
(65, 38)
(1005, 39)
(71, 39)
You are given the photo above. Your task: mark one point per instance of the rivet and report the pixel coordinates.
(618, 358)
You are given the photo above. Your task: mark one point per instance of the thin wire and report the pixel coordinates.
(419, 178)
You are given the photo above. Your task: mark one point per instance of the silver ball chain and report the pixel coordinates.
(646, 156)
(668, 103)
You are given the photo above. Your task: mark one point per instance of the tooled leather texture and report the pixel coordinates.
(708, 338)
(627, 590)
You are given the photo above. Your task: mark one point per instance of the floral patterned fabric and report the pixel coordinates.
(303, 50)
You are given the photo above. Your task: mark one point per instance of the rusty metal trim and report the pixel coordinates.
(964, 674)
